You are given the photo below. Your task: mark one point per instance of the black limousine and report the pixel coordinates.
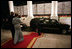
(48, 25)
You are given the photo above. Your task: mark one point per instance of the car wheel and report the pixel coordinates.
(64, 31)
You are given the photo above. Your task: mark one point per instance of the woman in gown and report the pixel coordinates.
(18, 37)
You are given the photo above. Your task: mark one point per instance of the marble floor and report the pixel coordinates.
(53, 41)
(46, 41)
(6, 35)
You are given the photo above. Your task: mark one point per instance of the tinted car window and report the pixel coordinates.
(53, 21)
(41, 19)
(47, 20)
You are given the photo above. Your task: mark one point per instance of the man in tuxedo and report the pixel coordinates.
(11, 25)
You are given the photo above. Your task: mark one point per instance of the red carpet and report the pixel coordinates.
(23, 44)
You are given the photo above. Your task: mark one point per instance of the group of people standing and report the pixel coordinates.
(15, 27)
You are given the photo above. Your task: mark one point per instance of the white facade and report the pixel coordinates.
(54, 9)
(29, 14)
(11, 6)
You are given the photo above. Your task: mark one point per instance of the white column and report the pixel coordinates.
(54, 9)
(11, 6)
(29, 7)
(29, 12)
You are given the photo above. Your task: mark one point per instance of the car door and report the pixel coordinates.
(54, 24)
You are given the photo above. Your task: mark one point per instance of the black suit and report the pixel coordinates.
(11, 26)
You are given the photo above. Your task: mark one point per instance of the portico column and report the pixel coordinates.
(11, 6)
(54, 9)
(29, 13)
(29, 8)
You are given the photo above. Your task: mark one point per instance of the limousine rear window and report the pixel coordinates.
(41, 19)
(47, 20)
(53, 21)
